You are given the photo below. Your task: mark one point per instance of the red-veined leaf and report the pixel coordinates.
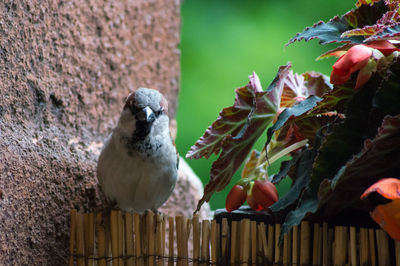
(391, 32)
(366, 2)
(331, 31)
(250, 164)
(237, 129)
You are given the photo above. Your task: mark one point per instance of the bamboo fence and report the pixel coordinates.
(119, 238)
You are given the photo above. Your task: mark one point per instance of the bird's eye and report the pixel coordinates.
(159, 112)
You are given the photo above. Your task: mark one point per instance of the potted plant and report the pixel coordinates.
(342, 132)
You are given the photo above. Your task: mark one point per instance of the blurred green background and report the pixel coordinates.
(223, 42)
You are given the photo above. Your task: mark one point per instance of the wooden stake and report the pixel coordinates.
(171, 241)
(319, 261)
(196, 240)
(340, 245)
(241, 241)
(253, 229)
(159, 249)
(363, 247)
(285, 258)
(101, 239)
(245, 241)
(138, 240)
(264, 245)
(88, 220)
(205, 242)
(353, 246)
(184, 240)
(270, 246)
(330, 243)
(72, 237)
(114, 237)
(295, 247)
(234, 225)
(315, 245)
(163, 235)
(80, 242)
(277, 256)
(130, 251)
(120, 238)
(305, 243)
(150, 238)
(325, 245)
(372, 251)
(224, 240)
(383, 248)
(397, 251)
(179, 240)
(214, 247)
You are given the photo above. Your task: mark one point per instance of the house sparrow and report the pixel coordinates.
(137, 167)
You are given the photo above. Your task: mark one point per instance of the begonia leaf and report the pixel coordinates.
(341, 142)
(286, 168)
(380, 157)
(237, 129)
(387, 33)
(366, 2)
(294, 111)
(310, 120)
(384, 103)
(302, 175)
(338, 177)
(331, 31)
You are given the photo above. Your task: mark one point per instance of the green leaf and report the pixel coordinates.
(379, 155)
(379, 158)
(302, 176)
(307, 123)
(308, 204)
(342, 141)
(286, 168)
(295, 111)
(331, 31)
(237, 129)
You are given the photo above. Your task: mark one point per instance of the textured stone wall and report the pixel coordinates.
(65, 68)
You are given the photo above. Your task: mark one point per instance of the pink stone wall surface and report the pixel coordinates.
(65, 68)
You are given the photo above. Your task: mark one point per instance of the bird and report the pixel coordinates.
(138, 165)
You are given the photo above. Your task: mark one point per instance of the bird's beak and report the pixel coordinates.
(146, 115)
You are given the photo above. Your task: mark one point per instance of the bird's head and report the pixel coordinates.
(143, 110)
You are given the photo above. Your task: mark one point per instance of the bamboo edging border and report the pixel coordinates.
(119, 238)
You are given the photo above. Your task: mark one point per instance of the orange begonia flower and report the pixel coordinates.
(353, 60)
(357, 58)
(387, 215)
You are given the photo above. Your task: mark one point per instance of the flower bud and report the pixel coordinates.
(235, 199)
(264, 193)
(353, 60)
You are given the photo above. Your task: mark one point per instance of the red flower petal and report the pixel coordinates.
(355, 59)
(387, 187)
(384, 46)
(388, 217)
